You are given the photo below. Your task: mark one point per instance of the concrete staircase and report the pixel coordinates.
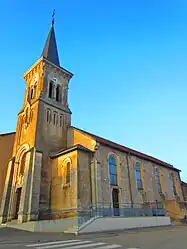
(75, 229)
(106, 224)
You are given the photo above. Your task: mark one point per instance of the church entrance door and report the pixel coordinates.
(115, 201)
(18, 198)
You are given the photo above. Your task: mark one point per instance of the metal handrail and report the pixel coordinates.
(105, 209)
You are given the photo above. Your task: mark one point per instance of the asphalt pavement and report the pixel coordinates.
(173, 237)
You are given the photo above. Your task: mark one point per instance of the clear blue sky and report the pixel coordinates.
(129, 58)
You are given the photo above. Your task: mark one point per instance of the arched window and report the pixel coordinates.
(55, 118)
(68, 173)
(48, 113)
(61, 121)
(139, 176)
(32, 93)
(22, 165)
(157, 179)
(173, 184)
(58, 93)
(112, 170)
(35, 86)
(50, 89)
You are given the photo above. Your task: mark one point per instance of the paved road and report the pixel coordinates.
(151, 238)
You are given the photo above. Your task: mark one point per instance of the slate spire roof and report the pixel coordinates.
(50, 51)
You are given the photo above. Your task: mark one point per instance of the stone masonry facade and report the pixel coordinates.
(50, 169)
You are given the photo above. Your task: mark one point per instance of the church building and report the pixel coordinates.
(49, 167)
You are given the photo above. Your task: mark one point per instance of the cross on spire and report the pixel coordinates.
(50, 51)
(53, 15)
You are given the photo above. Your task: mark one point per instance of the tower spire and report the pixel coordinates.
(53, 19)
(50, 51)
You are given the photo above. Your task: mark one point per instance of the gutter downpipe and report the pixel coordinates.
(91, 187)
(130, 186)
(95, 164)
(93, 181)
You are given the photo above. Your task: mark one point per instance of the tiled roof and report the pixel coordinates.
(7, 134)
(50, 51)
(184, 183)
(127, 150)
(64, 151)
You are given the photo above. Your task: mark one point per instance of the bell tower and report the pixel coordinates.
(47, 89)
(45, 116)
(42, 127)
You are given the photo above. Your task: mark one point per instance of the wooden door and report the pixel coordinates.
(18, 198)
(115, 201)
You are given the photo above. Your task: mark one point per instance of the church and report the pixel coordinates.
(51, 169)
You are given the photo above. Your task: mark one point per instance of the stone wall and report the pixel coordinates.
(6, 146)
(149, 182)
(64, 197)
(123, 182)
(100, 183)
(83, 139)
(84, 179)
(26, 132)
(184, 190)
(150, 193)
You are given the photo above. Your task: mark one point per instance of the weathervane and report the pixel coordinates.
(53, 17)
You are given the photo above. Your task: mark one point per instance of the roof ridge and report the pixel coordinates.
(127, 149)
(69, 149)
(8, 133)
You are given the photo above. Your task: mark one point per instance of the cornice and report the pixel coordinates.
(33, 66)
(55, 106)
(68, 74)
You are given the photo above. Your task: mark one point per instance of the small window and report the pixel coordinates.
(32, 93)
(58, 93)
(55, 118)
(68, 173)
(48, 116)
(61, 121)
(139, 176)
(51, 89)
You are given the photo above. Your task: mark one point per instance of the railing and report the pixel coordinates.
(106, 210)
(122, 210)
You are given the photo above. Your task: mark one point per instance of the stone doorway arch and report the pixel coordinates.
(21, 165)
